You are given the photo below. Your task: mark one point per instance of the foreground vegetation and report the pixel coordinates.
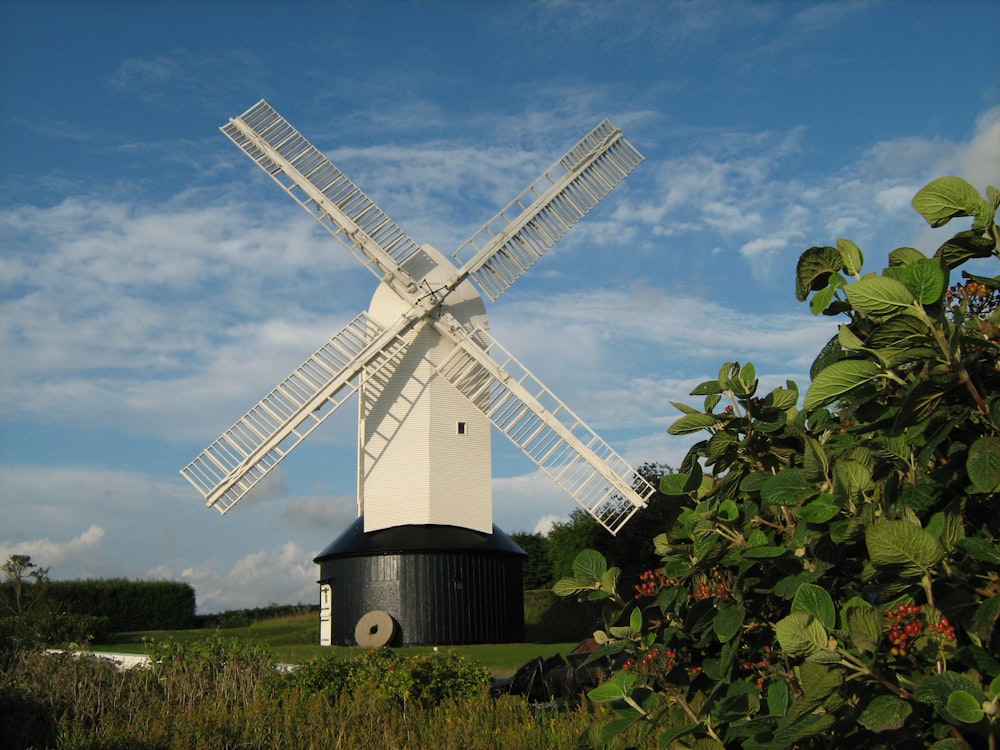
(293, 639)
(222, 694)
(833, 578)
(830, 575)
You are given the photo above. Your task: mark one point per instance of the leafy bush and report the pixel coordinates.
(24, 721)
(425, 678)
(225, 695)
(833, 578)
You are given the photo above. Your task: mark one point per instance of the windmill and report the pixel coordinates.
(431, 379)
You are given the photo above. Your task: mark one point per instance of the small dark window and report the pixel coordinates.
(461, 428)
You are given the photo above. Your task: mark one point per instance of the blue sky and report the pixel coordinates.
(154, 283)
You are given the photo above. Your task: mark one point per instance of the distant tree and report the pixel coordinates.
(23, 615)
(632, 549)
(19, 571)
(538, 565)
(567, 539)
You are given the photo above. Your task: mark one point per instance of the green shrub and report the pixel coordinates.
(425, 678)
(833, 578)
(25, 721)
(220, 697)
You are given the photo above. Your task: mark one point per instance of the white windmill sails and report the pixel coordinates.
(430, 375)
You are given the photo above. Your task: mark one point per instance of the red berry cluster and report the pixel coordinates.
(715, 587)
(763, 668)
(654, 663)
(651, 583)
(980, 300)
(907, 623)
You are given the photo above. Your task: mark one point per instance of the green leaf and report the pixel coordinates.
(985, 618)
(801, 634)
(692, 423)
(925, 279)
(814, 268)
(728, 621)
(589, 565)
(851, 256)
(983, 464)
(788, 487)
(950, 743)
(948, 527)
(979, 549)
(753, 481)
(720, 443)
(570, 587)
(830, 353)
(609, 580)
(903, 256)
(764, 552)
(635, 620)
(684, 408)
(729, 510)
(851, 479)
(783, 398)
(673, 484)
(616, 727)
(964, 707)
(820, 510)
(885, 713)
(945, 198)
(777, 697)
(904, 545)
(609, 691)
(901, 331)
(864, 625)
(920, 401)
(849, 340)
(674, 733)
(936, 688)
(707, 388)
(878, 295)
(839, 379)
(964, 246)
(815, 600)
(814, 461)
(822, 299)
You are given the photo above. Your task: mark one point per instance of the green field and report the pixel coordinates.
(294, 639)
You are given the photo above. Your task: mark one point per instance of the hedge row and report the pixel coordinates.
(128, 605)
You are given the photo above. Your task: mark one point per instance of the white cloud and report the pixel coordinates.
(281, 574)
(979, 160)
(545, 523)
(50, 554)
(309, 513)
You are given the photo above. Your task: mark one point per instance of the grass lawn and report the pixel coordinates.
(294, 639)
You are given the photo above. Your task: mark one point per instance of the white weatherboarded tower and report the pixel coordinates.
(418, 426)
(430, 377)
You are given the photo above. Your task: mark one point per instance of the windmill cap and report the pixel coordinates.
(429, 538)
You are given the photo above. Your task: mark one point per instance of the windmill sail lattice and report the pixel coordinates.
(516, 238)
(321, 189)
(366, 353)
(243, 455)
(546, 430)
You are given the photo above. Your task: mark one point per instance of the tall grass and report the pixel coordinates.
(227, 695)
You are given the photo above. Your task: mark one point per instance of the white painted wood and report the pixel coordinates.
(424, 437)
(418, 466)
